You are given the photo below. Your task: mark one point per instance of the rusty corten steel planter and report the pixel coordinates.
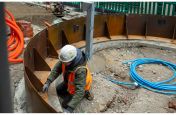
(41, 53)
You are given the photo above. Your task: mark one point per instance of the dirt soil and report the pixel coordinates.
(20, 9)
(139, 100)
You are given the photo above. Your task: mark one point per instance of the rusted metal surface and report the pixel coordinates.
(41, 39)
(39, 62)
(160, 26)
(74, 29)
(53, 36)
(36, 103)
(44, 47)
(51, 51)
(174, 34)
(99, 26)
(136, 24)
(33, 79)
(67, 32)
(116, 24)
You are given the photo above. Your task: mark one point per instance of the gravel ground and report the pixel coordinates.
(139, 100)
(21, 9)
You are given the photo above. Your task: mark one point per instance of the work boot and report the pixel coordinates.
(89, 96)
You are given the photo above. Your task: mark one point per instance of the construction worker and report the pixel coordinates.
(76, 75)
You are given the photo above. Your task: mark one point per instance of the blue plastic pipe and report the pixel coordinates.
(167, 87)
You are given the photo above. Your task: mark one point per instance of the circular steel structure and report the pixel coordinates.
(41, 54)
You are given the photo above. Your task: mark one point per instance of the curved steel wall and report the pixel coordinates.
(41, 53)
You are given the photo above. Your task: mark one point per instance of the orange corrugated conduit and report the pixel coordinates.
(15, 42)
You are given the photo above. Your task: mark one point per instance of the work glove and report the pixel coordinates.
(46, 86)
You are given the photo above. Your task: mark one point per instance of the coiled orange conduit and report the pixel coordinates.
(15, 42)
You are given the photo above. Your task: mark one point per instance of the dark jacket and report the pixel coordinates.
(80, 76)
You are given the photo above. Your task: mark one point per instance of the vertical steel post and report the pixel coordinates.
(89, 7)
(5, 92)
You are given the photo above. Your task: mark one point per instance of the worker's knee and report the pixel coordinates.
(61, 89)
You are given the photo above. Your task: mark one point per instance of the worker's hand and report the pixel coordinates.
(46, 87)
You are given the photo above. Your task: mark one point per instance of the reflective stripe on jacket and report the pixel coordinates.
(71, 78)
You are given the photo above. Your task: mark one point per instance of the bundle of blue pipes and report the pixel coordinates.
(167, 87)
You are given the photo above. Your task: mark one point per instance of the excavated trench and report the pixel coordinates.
(111, 47)
(107, 62)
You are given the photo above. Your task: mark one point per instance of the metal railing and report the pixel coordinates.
(156, 8)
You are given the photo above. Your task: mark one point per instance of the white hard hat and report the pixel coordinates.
(67, 53)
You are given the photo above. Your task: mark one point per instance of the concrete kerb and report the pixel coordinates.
(20, 98)
(132, 43)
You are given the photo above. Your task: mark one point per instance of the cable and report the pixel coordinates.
(167, 87)
(15, 42)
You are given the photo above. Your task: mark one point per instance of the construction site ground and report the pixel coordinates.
(109, 97)
(138, 100)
